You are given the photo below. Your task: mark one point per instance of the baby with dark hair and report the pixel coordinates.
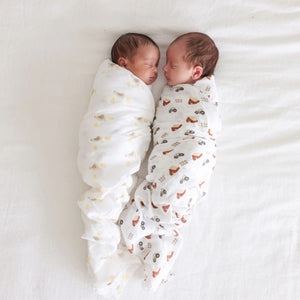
(114, 136)
(137, 53)
(180, 165)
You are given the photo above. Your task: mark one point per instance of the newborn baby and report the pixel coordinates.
(183, 158)
(114, 137)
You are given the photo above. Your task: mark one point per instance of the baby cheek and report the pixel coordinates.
(174, 74)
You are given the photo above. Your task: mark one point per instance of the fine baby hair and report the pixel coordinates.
(200, 50)
(127, 44)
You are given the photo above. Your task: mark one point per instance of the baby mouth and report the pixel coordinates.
(153, 78)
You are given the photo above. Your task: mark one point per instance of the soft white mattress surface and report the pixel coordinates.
(244, 241)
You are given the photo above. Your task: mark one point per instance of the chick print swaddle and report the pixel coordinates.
(113, 139)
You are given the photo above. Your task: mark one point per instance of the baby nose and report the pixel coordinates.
(164, 68)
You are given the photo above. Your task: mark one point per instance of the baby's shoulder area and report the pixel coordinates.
(203, 89)
(205, 84)
(111, 76)
(179, 91)
(108, 69)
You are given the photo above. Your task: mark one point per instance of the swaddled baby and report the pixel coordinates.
(179, 167)
(114, 137)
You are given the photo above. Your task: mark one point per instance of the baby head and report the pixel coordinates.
(190, 57)
(137, 53)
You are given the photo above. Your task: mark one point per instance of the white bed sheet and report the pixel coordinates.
(244, 242)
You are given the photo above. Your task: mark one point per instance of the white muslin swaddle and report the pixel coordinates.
(114, 136)
(179, 168)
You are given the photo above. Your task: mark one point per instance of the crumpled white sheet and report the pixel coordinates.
(114, 137)
(180, 165)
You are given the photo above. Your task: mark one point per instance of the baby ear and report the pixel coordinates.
(197, 72)
(122, 61)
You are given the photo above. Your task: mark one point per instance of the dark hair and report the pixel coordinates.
(127, 44)
(200, 50)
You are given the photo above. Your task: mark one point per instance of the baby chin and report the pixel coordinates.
(169, 81)
(151, 80)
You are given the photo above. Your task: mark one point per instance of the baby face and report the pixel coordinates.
(177, 70)
(144, 63)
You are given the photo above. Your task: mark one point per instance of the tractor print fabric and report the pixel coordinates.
(180, 165)
(114, 136)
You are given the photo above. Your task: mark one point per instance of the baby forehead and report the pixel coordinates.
(177, 45)
(147, 52)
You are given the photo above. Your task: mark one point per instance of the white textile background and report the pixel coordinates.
(244, 242)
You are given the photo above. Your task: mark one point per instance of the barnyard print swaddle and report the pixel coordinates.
(185, 129)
